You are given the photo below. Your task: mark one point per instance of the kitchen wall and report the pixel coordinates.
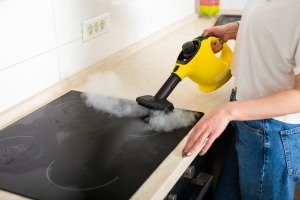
(41, 40)
(232, 4)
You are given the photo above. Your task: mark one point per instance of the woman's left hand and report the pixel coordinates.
(206, 131)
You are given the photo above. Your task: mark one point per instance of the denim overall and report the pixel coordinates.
(263, 161)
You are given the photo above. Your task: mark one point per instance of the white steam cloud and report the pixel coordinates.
(102, 86)
(161, 121)
(114, 106)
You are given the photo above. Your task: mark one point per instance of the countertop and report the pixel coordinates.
(143, 73)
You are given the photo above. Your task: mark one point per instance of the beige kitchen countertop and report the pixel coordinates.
(143, 73)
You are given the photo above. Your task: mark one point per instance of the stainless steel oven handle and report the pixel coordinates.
(189, 172)
(172, 197)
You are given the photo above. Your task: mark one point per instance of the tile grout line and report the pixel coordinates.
(56, 40)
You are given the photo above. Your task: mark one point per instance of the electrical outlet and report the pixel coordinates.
(95, 26)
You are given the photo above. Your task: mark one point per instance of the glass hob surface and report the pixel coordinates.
(67, 150)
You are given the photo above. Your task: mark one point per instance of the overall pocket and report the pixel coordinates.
(291, 144)
(250, 138)
(255, 126)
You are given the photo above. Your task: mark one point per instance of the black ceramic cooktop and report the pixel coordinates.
(224, 19)
(66, 150)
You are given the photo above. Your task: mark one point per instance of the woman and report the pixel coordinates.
(264, 162)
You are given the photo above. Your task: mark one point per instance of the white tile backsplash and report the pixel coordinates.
(26, 30)
(69, 14)
(154, 15)
(26, 79)
(77, 55)
(41, 40)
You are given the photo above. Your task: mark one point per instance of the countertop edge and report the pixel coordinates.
(161, 181)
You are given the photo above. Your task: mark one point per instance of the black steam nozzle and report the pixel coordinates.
(159, 101)
(150, 102)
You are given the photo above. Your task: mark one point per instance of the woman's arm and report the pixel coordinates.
(225, 32)
(275, 105)
(214, 123)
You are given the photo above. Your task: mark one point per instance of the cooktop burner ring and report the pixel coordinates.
(145, 135)
(69, 102)
(18, 150)
(9, 138)
(48, 175)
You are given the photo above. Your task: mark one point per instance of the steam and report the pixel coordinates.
(101, 88)
(116, 107)
(161, 121)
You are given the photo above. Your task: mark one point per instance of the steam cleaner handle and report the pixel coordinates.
(167, 87)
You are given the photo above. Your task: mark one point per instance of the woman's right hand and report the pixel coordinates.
(225, 32)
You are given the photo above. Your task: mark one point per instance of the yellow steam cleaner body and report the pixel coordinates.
(198, 62)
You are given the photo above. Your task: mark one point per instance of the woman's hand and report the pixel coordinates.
(207, 130)
(225, 32)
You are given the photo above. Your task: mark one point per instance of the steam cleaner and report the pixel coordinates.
(198, 62)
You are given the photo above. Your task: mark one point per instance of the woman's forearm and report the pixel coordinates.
(232, 29)
(275, 105)
(225, 32)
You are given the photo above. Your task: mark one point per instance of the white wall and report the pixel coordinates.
(41, 40)
(232, 4)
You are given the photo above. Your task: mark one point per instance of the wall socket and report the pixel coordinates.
(95, 26)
